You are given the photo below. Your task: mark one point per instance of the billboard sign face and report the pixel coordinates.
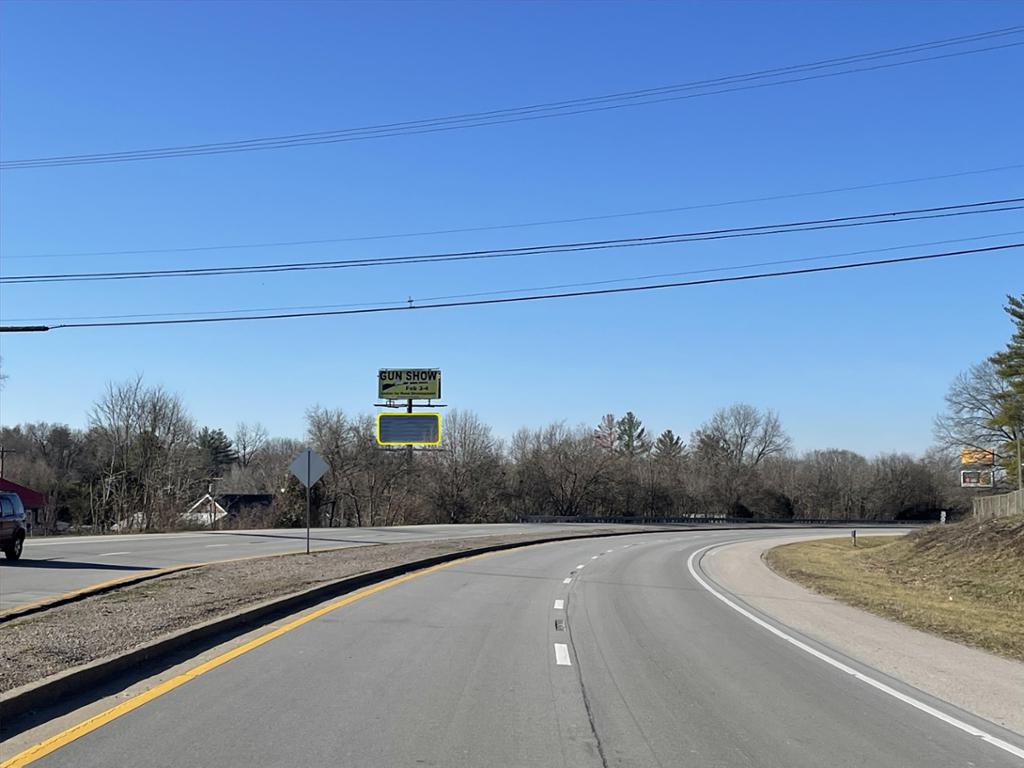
(976, 478)
(409, 428)
(977, 456)
(409, 383)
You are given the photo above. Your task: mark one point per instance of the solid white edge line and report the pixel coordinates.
(877, 684)
(559, 605)
(562, 655)
(567, 581)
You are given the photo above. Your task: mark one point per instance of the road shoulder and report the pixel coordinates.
(976, 681)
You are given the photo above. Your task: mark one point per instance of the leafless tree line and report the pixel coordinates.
(142, 461)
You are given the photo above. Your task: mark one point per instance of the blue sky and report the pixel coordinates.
(855, 359)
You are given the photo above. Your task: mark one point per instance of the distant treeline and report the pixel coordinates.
(143, 461)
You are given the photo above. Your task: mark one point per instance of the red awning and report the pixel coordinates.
(29, 498)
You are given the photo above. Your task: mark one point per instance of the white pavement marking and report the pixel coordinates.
(567, 581)
(217, 545)
(595, 557)
(580, 566)
(559, 605)
(877, 684)
(562, 655)
(608, 551)
(111, 554)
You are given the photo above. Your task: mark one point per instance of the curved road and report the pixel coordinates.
(54, 566)
(601, 652)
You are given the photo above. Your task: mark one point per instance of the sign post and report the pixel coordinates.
(308, 467)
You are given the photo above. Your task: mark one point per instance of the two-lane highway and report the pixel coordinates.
(600, 652)
(54, 566)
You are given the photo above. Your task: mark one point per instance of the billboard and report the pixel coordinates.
(976, 478)
(409, 428)
(979, 456)
(409, 383)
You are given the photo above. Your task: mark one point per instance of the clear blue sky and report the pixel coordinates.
(852, 359)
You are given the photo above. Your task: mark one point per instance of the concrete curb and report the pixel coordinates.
(21, 611)
(73, 682)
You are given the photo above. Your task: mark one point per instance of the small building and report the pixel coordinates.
(205, 513)
(33, 501)
(210, 512)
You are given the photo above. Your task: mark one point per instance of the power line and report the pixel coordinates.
(611, 281)
(890, 217)
(523, 299)
(522, 224)
(661, 94)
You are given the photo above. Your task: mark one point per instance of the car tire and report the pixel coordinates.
(13, 552)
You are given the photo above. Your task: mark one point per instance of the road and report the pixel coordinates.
(585, 653)
(50, 567)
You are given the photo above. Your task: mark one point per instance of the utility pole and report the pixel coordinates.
(5, 451)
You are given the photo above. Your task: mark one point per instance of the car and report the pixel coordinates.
(12, 525)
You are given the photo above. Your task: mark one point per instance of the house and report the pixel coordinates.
(208, 511)
(205, 513)
(33, 501)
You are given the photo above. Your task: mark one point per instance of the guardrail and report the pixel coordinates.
(755, 521)
(1003, 505)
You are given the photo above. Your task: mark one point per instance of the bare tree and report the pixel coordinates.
(146, 441)
(972, 407)
(249, 441)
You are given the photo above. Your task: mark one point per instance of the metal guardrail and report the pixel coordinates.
(716, 520)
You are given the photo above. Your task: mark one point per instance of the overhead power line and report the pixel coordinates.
(521, 224)
(726, 84)
(888, 217)
(522, 299)
(241, 311)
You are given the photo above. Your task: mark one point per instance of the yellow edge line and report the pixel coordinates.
(153, 573)
(64, 738)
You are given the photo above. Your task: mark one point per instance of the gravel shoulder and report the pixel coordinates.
(990, 686)
(66, 636)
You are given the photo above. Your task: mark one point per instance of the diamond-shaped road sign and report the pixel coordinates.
(308, 467)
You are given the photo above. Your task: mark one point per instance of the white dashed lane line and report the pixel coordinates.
(567, 581)
(112, 554)
(580, 566)
(209, 546)
(562, 655)
(559, 605)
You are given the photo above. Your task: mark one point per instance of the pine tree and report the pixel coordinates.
(631, 435)
(1009, 365)
(216, 451)
(606, 431)
(668, 446)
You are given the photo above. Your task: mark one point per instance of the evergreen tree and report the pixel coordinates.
(605, 433)
(631, 435)
(1009, 365)
(216, 451)
(668, 446)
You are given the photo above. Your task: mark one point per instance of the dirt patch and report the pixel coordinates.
(964, 581)
(66, 636)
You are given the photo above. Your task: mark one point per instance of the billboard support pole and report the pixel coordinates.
(308, 473)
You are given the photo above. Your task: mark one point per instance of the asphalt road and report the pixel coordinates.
(479, 664)
(53, 566)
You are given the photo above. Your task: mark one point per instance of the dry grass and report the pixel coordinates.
(963, 581)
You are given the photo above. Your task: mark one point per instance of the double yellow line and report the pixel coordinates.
(76, 732)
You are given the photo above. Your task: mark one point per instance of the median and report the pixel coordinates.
(964, 581)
